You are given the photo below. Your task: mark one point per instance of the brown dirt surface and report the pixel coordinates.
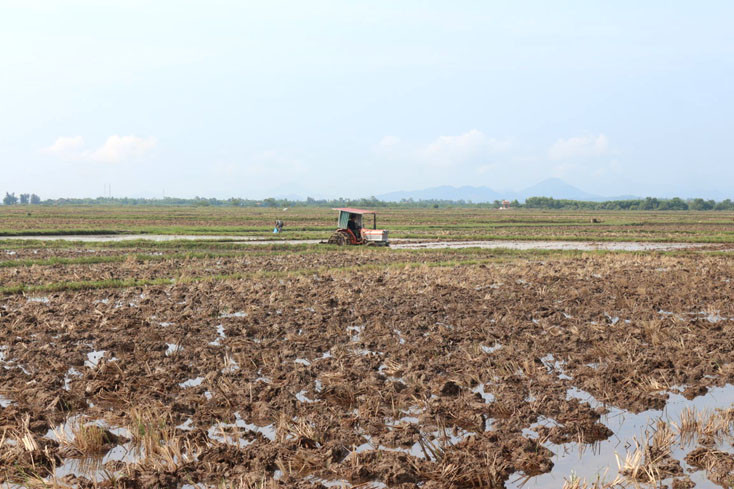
(142, 265)
(719, 465)
(406, 375)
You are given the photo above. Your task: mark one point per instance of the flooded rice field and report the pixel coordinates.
(407, 244)
(554, 245)
(572, 371)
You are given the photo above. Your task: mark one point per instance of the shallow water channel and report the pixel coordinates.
(395, 243)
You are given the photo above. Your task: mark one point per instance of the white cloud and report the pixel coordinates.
(271, 166)
(122, 148)
(391, 147)
(388, 142)
(275, 164)
(65, 146)
(116, 149)
(470, 146)
(578, 147)
(486, 169)
(444, 151)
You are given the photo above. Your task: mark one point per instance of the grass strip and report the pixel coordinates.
(60, 232)
(91, 260)
(152, 245)
(86, 260)
(84, 285)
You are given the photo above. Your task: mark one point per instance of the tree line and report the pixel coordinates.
(12, 199)
(647, 204)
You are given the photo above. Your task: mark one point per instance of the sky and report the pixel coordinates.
(354, 98)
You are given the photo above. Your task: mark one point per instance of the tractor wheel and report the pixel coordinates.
(339, 238)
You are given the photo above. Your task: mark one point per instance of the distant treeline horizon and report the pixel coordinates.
(646, 204)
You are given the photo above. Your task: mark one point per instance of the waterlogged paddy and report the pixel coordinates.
(526, 371)
(590, 462)
(396, 243)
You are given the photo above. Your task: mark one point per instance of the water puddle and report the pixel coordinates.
(384, 369)
(341, 483)
(91, 467)
(425, 449)
(365, 352)
(401, 340)
(599, 460)
(612, 319)
(238, 314)
(192, 382)
(5, 402)
(355, 333)
(220, 336)
(553, 245)
(509, 244)
(710, 316)
(491, 349)
(187, 425)
(9, 365)
(391, 422)
(486, 396)
(301, 396)
(42, 300)
(224, 432)
(72, 372)
(416, 450)
(120, 304)
(230, 365)
(555, 366)
(94, 357)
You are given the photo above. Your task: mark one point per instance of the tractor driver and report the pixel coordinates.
(353, 226)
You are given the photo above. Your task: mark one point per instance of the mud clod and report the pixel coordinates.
(451, 389)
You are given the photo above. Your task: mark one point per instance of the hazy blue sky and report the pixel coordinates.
(353, 98)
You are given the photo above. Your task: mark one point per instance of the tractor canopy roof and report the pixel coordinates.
(354, 211)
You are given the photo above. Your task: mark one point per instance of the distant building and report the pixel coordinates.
(505, 205)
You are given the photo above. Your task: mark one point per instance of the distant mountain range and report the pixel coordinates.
(552, 187)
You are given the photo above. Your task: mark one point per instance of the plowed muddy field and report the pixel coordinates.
(370, 368)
